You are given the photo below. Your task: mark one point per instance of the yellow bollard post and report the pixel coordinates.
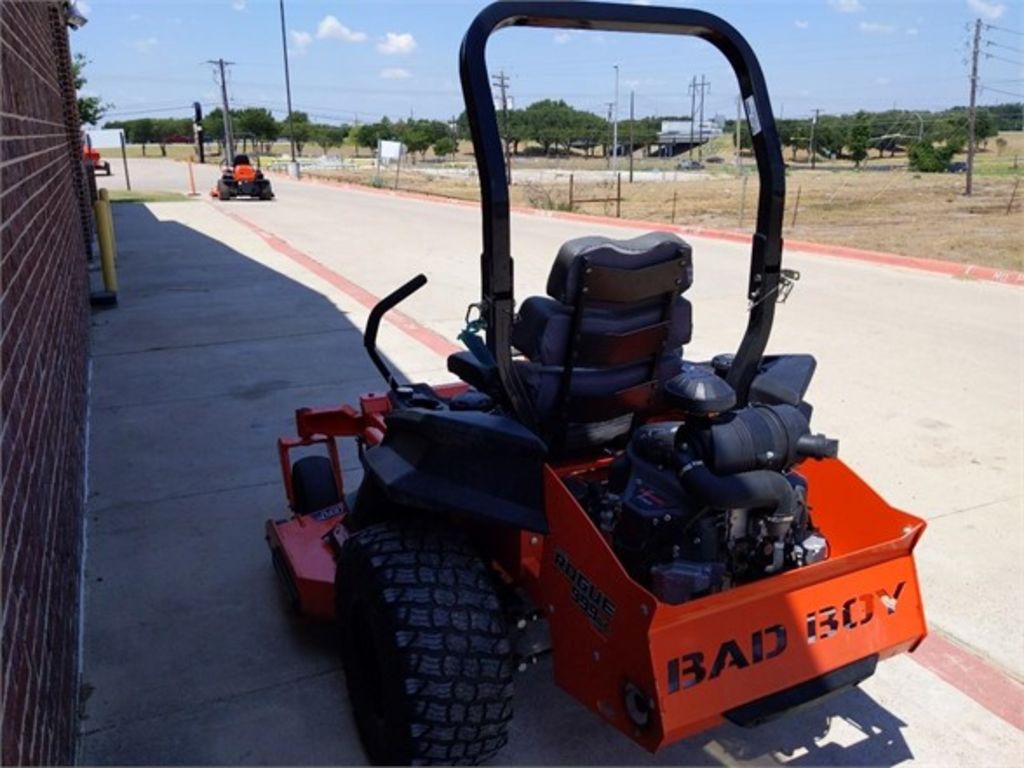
(108, 246)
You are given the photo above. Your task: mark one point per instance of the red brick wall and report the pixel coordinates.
(44, 318)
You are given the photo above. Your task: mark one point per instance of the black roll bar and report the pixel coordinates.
(496, 259)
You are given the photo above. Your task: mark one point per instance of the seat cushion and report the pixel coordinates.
(543, 381)
(542, 326)
(635, 253)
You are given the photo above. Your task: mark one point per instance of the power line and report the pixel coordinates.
(1004, 93)
(1006, 47)
(1001, 58)
(1004, 29)
(148, 110)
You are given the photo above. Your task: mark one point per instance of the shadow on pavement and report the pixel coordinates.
(191, 656)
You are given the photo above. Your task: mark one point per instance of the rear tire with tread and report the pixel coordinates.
(425, 647)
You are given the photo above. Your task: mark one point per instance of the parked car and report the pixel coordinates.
(690, 165)
(957, 167)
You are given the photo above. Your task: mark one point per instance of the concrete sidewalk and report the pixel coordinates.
(190, 654)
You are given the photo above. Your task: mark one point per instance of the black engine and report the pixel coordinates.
(697, 506)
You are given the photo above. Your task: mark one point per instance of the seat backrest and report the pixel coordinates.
(611, 330)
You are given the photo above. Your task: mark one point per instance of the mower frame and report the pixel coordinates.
(657, 672)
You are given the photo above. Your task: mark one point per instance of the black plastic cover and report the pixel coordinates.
(467, 462)
(698, 391)
(783, 379)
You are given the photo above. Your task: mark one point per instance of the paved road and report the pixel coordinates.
(920, 376)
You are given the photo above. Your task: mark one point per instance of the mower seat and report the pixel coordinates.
(610, 331)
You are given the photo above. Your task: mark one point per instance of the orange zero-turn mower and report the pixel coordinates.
(242, 179)
(672, 532)
(93, 156)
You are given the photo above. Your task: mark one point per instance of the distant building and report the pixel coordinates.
(677, 136)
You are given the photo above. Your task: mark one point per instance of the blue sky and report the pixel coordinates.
(361, 60)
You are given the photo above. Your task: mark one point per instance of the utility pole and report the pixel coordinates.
(293, 166)
(608, 156)
(500, 81)
(632, 122)
(615, 123)
(693, 110)
(973, 110)
(739, 148)
(229, 139)
(814, 149)
(700, 150)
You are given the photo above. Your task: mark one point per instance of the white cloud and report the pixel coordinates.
(397, 44)
(561, 38)
(801, 24)
(239, 5)
(144, 45)
(846, 6)
(395, 73)
(330, 27)
(911, 31)
(300, 40)
(874, 28)
(988, 10)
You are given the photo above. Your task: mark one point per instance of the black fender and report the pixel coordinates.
(480, 465)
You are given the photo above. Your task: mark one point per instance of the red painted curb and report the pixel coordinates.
(935, 266)
(972, 675)
(432, 340)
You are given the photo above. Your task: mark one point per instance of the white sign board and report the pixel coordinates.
(109, 138)
(388, 151)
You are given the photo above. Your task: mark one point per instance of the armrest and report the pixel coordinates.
(472, 371)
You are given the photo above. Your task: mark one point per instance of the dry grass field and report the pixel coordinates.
(883, 206)
(923, 215)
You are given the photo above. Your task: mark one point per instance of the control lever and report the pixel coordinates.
(383, 306)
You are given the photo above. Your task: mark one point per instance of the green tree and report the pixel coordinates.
(257, 122)
(984, 126)
(168, 129)
(445, 146)
(587, 131)
(415, 136)
(213, 127)
(859, 138)
(298, 129)
(926, 157)
(142, 131)
(369, 134)
(549, 123)
(90, 108)
(327, 136)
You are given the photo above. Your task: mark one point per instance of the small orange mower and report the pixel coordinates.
(93, 156)
(242, 179)
(671, 532)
